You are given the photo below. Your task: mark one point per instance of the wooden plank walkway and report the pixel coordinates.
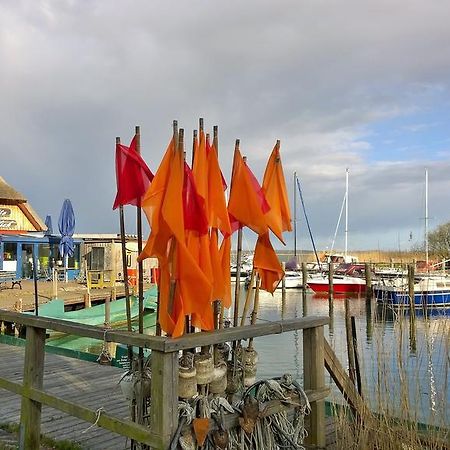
(86, 383)
(89, 384)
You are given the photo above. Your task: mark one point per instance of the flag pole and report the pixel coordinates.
(218, 305)
(125, 272)
(237, 288)
(140, 263)
(178, 138)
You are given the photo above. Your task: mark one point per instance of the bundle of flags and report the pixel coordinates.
(191, 224)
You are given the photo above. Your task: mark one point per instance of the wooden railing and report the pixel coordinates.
(164, 386)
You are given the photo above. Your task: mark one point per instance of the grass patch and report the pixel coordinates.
(47, 443)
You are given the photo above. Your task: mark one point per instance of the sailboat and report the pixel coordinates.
(429, 290)
(343, 281)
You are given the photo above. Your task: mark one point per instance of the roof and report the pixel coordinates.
(8, 195)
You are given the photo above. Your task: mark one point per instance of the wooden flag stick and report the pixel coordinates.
(255, 308)
(140, 263)
(247, 298)
(178, 137)
(125, 271)
(237, 289)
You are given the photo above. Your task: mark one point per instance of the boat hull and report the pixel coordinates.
(339, 286)
(400, 298)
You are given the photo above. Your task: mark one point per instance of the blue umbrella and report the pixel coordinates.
(66, 225)
(48, 224)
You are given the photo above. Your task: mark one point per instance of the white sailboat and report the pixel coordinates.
(429, 290)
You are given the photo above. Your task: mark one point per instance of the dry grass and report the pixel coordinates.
(405, 387)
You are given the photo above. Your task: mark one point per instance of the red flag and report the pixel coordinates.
(193, 205)
(133, 177)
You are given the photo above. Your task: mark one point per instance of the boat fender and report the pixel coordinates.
(219, 384)
(204, 364)
(187, 377)
(250, 359)
(234, 377)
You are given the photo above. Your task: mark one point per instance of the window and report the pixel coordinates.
(96, 258)
(9, 251)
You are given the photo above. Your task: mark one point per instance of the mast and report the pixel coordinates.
(346, 211)
(426, 217)
(295, 218)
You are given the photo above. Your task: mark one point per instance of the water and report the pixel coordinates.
(389, 352)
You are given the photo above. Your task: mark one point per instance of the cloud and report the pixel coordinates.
(317, 75)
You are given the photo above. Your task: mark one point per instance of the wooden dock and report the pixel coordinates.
(90, 392)
(86, 383)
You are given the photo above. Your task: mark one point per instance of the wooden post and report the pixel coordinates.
(304, 276)
(356, 356)
(412, 308)
(107, 311)
(350, 348)
(305, 287)
(330, 280)
(411, 290)
(283, 282)
(164, 394)
(54, 283)
(368, 274)
(33, 377)
(314, 378)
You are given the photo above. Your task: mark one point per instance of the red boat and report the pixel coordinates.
(347, 280)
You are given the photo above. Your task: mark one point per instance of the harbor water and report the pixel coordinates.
(401, 366)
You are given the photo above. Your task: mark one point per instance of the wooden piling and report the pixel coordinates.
(330, 280)
(107, 311)
(411, 291)
(283, 282)
(368, 274)
(356, 356)
(349, 339)
(304, 276)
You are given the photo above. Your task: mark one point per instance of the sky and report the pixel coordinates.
(342, 84)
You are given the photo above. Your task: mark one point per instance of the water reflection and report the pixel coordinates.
(403, 362)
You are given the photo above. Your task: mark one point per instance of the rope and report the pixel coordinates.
(275, 432)
(98, 412)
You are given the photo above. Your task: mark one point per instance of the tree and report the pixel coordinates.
(439, 241)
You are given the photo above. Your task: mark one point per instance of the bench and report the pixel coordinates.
(6, 276)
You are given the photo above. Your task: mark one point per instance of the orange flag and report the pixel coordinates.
(246, 203)
(217, 206)
(225, 252)
(267, 264)
(163, 206)
(274, 186)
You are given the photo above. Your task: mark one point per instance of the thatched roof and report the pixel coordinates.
(8, 195)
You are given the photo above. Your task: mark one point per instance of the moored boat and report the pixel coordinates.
(342, 284)
(429, 291)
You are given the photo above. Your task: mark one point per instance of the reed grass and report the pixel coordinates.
(406, 388)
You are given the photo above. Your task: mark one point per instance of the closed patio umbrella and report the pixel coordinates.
(66, 225)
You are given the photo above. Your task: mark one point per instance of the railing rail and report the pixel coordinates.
(164, 386)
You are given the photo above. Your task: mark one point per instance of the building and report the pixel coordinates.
(22, 233)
